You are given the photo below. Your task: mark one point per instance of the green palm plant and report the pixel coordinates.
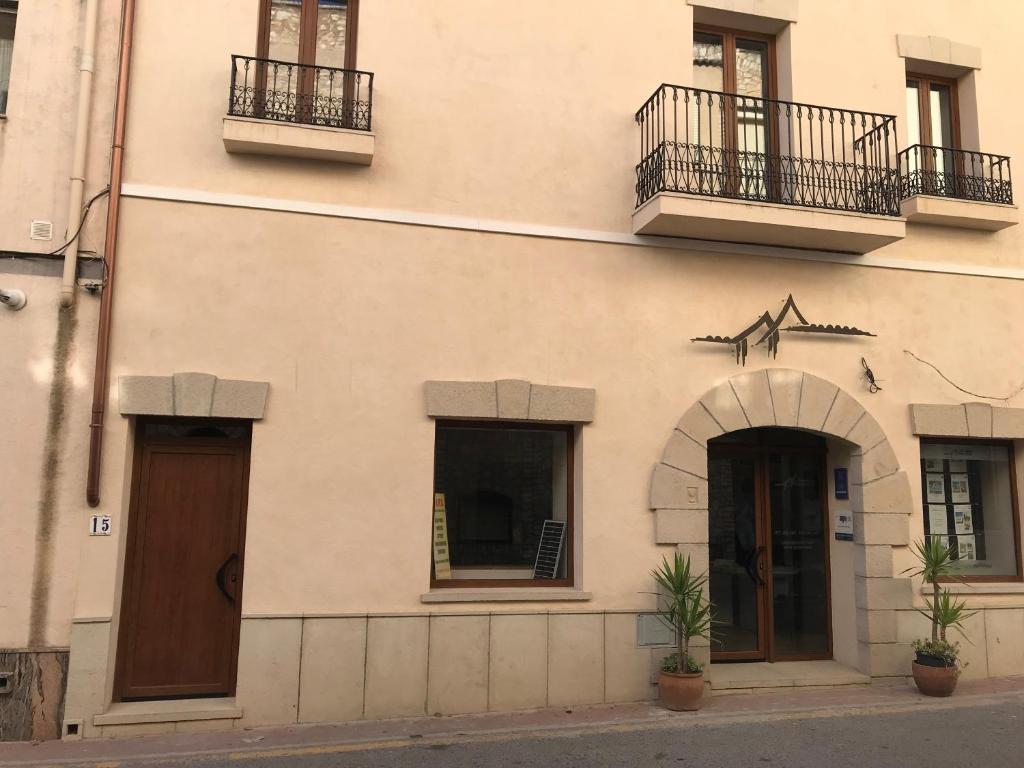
(935, 562)
(683, 607)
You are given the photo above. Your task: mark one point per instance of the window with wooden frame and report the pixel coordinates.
(8, 21)
(932, 114)
(503, 504)
(309, 32)
(933, 122)
(742, 65)
(969, 492)
(307, 50)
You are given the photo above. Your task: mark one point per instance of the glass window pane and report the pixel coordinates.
(499, 487)
(913, 114)
(941, 115)
(751, 127)
(706, 112)
(733, 553)
(708, 62)
(968, 504)
(8, 19)
(285, 30)
(331, 19)
(752, 68)
(800, 592)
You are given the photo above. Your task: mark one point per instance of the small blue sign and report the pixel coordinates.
(842, 483)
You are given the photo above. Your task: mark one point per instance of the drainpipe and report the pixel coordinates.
(101, 374)
(77, 185)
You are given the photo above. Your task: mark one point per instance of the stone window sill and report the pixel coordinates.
(979, 588)
(504, 595)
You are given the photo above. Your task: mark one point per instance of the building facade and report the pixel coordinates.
(436, 326)
(57, 68)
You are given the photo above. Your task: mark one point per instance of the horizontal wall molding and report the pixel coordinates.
(494, 226)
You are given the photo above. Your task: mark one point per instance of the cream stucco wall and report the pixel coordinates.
(519, 115)
(48, 353)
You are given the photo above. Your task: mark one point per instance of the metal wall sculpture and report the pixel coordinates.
(773, 329)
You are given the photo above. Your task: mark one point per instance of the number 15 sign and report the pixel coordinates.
(99, 525)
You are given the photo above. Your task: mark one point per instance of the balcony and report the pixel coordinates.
(295, 110)
(956, 188)
(721, 166)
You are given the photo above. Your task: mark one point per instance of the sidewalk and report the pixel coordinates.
(545, 723)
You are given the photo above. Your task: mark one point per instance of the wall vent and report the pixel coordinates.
(41, 230)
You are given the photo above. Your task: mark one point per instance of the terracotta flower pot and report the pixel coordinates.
(935, 681)
(681, 692)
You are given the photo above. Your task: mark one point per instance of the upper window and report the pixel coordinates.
(503, 505)
(311, 32)
(8, 20)
(931, 112)
(970, 504)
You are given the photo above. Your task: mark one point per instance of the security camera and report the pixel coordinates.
(12, 298)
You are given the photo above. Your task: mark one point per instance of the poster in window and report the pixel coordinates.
(957, 466)
(959, 489)
(933, 465)
(442, 558)
(966, 548)
(943, 541)
(936, 489)
(962, 518)
(937, 519)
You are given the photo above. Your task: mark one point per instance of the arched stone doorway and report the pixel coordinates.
(880, 498)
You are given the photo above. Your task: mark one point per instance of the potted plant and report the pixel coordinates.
(684, 608)
(937, 665)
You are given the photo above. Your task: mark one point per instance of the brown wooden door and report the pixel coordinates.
(769, 547)
(181, 605)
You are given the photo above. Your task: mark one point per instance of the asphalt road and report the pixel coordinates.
(982, 736)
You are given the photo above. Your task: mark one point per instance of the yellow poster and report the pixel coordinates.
(442, 565)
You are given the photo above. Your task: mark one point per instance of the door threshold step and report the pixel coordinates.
(168, 711)
(782, 676)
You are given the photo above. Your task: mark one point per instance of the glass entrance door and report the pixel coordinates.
(768, 547)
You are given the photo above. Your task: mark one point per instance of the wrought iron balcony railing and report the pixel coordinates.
(298, 93)
(766, 150)
(958, 173)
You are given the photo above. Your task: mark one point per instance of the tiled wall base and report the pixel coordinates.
(32, 693)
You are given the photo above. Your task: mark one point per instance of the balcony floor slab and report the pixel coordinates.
(674, 214)
(246, 135)
(966, 214)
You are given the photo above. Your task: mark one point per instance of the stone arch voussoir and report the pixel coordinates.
(880, 495)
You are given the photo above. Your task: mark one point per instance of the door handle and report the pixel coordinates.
(219, 578)
(759, 565)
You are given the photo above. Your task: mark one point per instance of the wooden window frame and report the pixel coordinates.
(307, 32)
(308, 12)
(924, 107)
(729, 37)
(1014, 509)
(569, 431)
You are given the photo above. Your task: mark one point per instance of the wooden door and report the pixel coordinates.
(181, 605)
(768, 547)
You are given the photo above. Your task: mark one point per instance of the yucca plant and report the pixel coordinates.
(683, 607)
(935, 562)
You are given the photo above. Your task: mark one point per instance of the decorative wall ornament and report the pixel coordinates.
(773, 328)
(869, 377)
